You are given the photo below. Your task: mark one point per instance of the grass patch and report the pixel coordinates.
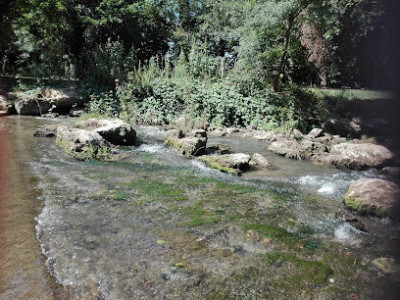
(352, 94)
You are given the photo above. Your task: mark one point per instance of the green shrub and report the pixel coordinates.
(104, 103)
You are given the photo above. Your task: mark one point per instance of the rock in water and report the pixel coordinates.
(78, 140)
(193, 143)
(259, 160)
(44, 132)
(115, 131)
(228, 163)
(357, 156)
(373, 197)
(286, 147)
(387, 265)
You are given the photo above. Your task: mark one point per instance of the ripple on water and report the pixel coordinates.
(334, 185)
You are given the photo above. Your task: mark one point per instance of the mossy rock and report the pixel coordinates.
(212, 163)
(191, 144)
(228, 163)
(373, 197)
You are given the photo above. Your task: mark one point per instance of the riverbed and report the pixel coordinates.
(156, 225)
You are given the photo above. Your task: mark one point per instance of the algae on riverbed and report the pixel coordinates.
(223, 237)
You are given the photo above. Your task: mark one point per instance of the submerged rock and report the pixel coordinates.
(387, 265)
(45, 132)
(115, 131)
(356, 156)
(373, 197)
(190, 144)
(228, 163)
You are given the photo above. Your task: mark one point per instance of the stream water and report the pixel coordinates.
(159, 226)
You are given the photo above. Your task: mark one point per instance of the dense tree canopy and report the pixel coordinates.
(267, 42)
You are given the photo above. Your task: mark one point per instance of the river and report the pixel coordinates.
(158, 226)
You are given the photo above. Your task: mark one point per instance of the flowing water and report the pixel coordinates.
(159, 226)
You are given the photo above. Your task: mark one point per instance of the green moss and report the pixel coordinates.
(119, 195)
(219, 294)
(268, 231)
(210, 162)
(235, 187)
(91, 152)
(305, 271)
(157, 189)
(353, 203)
(199, 216)
(177, 144)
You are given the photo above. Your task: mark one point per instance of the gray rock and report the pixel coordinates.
(39, 103)
(232, 131)
(387, 265)
(269, 136)
(114, 131)
(286, 147)
(310, 148)
(193, 143)
(259, 160)
(44, 132)
(356, 156)
(76, 112)
(297, 149)
(297, 134)
(228, 163)
(219, 149)
(373, 197)
(314, 133)
(4, 107)
(32, 107)
(219, 132)
(78, 140)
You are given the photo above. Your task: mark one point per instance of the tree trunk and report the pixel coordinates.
(277, 79)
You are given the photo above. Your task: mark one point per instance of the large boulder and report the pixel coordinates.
(373, 197)
(269, 136)
(228, 163)
(115, 131)
(297, 149)
(286, 147)
(356, 156)
(41, 102)
(258, 160)
(79, 140)
(314, 133)
(190, 144)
